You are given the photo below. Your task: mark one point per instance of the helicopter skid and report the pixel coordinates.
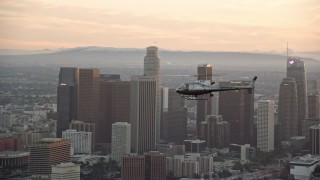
(192, 97)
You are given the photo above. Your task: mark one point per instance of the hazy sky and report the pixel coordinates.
(215, 25)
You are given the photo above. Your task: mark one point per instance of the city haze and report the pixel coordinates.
(208, 25)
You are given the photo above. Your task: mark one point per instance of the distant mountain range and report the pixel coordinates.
(94, 56)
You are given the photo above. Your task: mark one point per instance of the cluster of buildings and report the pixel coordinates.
(150, 133)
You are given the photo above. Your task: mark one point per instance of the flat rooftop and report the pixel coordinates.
(13, 154)
(305, 160)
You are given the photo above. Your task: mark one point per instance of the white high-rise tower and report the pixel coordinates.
(265, 125)
(152, 68)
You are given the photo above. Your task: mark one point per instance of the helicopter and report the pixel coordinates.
(191, 91)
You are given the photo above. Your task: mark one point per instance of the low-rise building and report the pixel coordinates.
(302, 167)
(195, 146)
(14, 158)
(65, 171)
(81, 142)
(244, 152)
(189, 164)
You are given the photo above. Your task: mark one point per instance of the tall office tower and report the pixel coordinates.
(222, 134)
(288, 109)
(218, 133)
(237, 108)
(143, 113)
(67, 98)
(114, 106)
(133, 167)
(215, 103)
(296, 70)
(164, 99)
(306, 124)
(121, 140)
(89, 95)
(313, 106)
(265, 125)
(66, 171)
(210, 130)
(152, 68)
(86, 127)
(313, 86)
(46, 153)
(315, 139)
(81, 141)
(203, 106)
(155, 166)
(174, 119)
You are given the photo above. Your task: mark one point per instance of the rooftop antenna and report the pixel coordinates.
(287, 50)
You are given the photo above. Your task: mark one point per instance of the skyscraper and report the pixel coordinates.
(174, 118)
(67, 98)
(237, 108)
(89, 95)
(265, 125)
(314, 106)
(296, 70)
(204, 72)
(143, 113)
(114, 106)
(48, 152)
(315, 139)
(121, 140)
(217, 132)
(152, 68)
(288, 109)
(313, 86)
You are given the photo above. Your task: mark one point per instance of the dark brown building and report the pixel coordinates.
(133, 167)
(151, 165)
(89, 96)
(114, 106)
(203, 107)
(288, 109)
(48, 152)
(155, 166)
(10, 144)
(236, 107)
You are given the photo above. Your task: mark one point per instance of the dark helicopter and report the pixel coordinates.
(191, 91)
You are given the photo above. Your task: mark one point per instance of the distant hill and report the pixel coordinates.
(94, 56)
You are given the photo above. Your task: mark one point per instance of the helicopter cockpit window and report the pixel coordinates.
(183, 86)
(196, 86)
